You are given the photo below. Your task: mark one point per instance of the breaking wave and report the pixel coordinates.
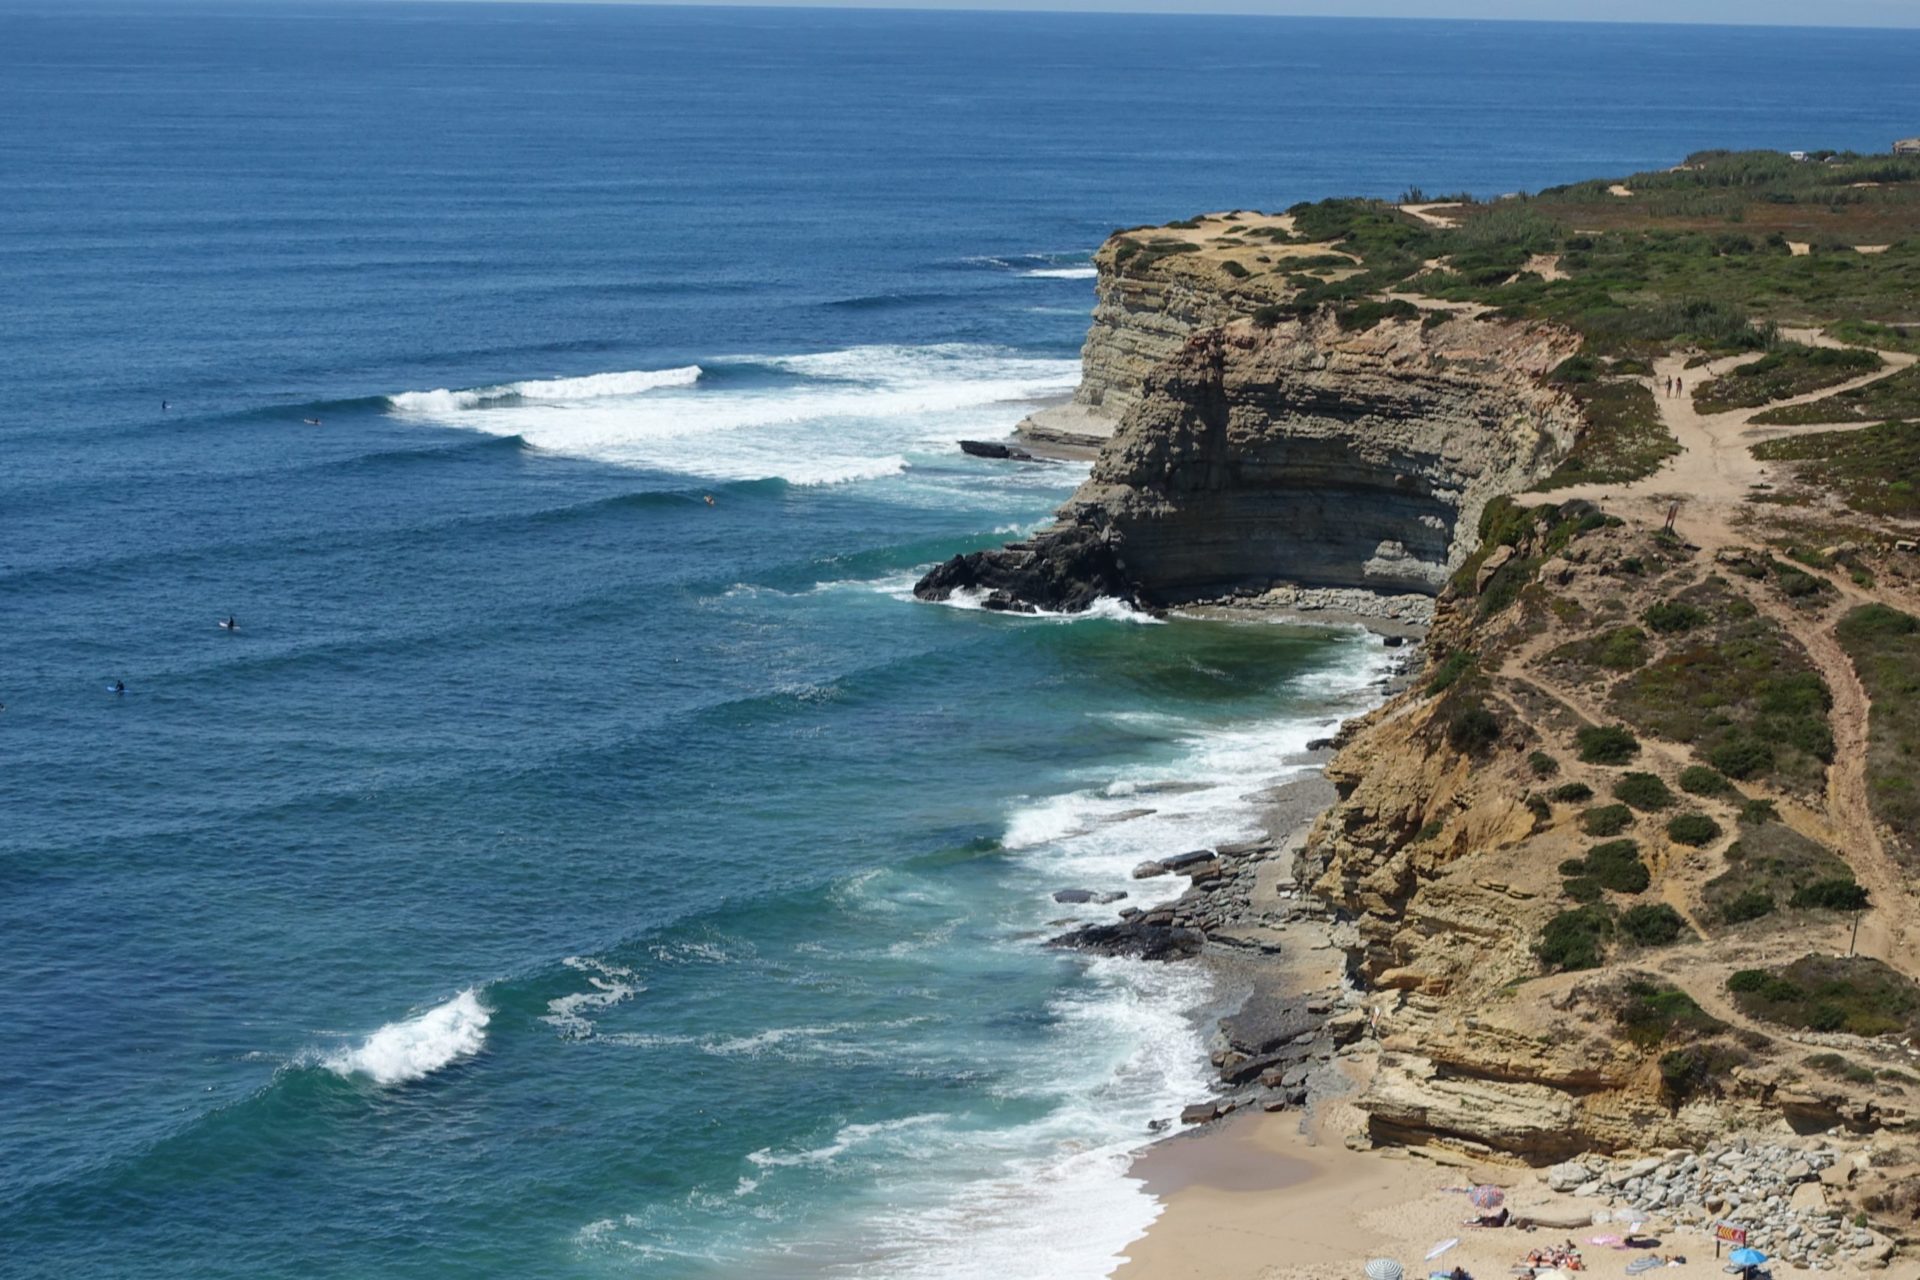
(417, 1047)
(861, 413)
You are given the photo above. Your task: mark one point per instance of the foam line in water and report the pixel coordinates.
(831, 417)
(1062, 273)
(594, 386)
(419, 1046)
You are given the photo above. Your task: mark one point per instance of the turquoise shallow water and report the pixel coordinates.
(557, 875)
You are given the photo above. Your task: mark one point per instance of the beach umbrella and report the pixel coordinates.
(1746, 1257)
(1385, 1269)
(1486, 1197)
(1441, 1248)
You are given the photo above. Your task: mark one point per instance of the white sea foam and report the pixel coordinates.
(1062, 273)
(594, 386)
(607, 985)
(1107, 608)
(419, 1046)
(833, 417)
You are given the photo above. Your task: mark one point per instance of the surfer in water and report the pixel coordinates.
(709, 499)
(312, 422)
(119, 686)
(164, 406)
(230, 624)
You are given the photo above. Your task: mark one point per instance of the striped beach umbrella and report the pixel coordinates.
(1486, 1196)
(1385, 1269)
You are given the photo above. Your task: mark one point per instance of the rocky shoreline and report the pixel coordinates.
(1286, 1007)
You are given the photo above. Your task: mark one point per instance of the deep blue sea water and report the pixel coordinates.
(558, 875)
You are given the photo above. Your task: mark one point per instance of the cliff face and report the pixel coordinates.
(1299, 453)
(1143, 318)
(1308, 454)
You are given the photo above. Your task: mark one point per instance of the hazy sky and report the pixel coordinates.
(1826, 13)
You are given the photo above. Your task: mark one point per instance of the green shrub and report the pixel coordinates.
(1741, 757)
(1607, 744)
(1698, 780)
(1854, 994)
(1751, 904)
(1653, 924)
(1621, 649)
(1571, 793)
(1670, 617)
(1607, 820)
(1583, 889)
(1644, 791)
(1837, 894)
(1472, 730)
(1234, 269)
(1543, 765)
(1693, 829)
(1457, 664)
(1270, 315)
(1617, 866)
(1758, 811)
(1576, 939)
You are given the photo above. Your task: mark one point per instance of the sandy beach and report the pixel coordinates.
(1264, 1197)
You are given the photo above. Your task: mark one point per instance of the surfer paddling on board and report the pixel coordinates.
(229, 624)
(312, 422)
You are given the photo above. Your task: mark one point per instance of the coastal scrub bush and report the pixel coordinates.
(1571, 793)
(1607, 820)
(1758, 811)
(1268, 316)
(1457, 664)
(1693, 829)
(1741, 757)
(1617, 866)
(1644, 791)
(1854, 994)
(1472, 730)
(1234, 269)
(1670, 617)
(1583, 889)
(1652, 924)
(1576, 939)
(1651, 1014)
(1543, 765)
(1365, 315)
(1768, 865)
(1698, 780)
(1749, 904)
(1607, 744)
(1837, 894)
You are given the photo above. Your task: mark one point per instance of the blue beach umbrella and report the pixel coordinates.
(1746, 1257)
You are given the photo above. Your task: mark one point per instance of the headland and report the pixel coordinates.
(1609, 902)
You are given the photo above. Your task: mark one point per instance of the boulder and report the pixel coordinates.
(1567, 1176)
(1200, 1113)
(995, 449)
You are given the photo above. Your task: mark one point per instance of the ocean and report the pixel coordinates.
(556, 873)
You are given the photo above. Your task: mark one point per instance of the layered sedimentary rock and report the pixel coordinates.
(1301, 453)
(1143, 318)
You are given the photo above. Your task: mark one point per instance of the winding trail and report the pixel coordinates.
(1712, 481)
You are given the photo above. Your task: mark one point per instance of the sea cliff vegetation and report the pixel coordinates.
(1629, 861)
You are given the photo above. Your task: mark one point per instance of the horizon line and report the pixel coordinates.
(1090, 10)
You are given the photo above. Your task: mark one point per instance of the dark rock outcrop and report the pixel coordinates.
(1065, 573)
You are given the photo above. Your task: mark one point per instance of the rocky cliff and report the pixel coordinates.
(1300, 451)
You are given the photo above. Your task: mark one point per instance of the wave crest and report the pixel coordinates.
(593, 386)
(417, 1047)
